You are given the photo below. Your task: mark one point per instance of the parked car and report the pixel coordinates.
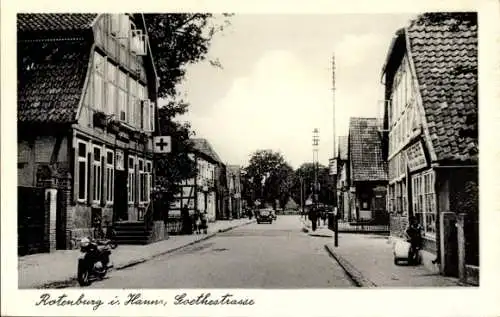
(264, 215)
(273, 214)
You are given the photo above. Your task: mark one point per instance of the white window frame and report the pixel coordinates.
(422, 205)
(110, 177)
(404, 190)
(138, 42)
(99, 72)
(132, 101)
(111, 86)
(122, 90)
(141, 184)
(131, 180)
(79, 159)
(96, 182)
(149, 179)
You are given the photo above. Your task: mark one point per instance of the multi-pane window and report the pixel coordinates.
(132, 101)
(149, 180)
(81, 171)
(98, 82)
(424, 201)
(142, 106)
(111, 88)
(97, 174)
(391, 200)
(131, 180)
(142, 181)
(120, 160)
(110, 175)
(399, 202)
(122, 96)
(405, 197)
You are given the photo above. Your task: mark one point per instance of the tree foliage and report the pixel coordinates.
(180, 39)
(176, 41)
(306, 173)
(268, 166)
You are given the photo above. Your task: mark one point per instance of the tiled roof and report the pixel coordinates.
(202, 146)
(445, 57)
(365, 150)
(343, 148)
(51, 75)
(27, 22)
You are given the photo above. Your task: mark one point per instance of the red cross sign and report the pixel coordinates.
(162, 144)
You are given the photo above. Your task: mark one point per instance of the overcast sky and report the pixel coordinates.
(275, 85)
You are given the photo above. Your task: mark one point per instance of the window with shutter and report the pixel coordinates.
(152, 116)
(114, 24)
(132, 101)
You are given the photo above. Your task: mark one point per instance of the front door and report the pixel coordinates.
(120, 211)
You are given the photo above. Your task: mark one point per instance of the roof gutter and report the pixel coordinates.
(454, 166)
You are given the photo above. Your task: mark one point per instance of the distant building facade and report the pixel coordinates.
(199, 193)
(234, 187)
(367, 174)
(343, 179)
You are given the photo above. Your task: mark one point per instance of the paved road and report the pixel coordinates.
(277, 255)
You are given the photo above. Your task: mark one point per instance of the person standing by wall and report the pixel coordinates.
(187, 226)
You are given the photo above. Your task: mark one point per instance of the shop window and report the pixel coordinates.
(424, 202)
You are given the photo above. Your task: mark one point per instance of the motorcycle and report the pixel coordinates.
(94, 261)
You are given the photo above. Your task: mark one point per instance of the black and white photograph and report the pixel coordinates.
(246, 151)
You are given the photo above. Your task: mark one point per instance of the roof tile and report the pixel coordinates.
(54, 21)
(445, 59)
(202, 146)
(365, 150)
(51, 75)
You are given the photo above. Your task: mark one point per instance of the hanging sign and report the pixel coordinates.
(162, 144)
(333, 166)
(416, 156)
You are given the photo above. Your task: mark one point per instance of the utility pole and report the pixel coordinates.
(335, 202)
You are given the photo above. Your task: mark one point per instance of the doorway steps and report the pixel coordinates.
(132, 232)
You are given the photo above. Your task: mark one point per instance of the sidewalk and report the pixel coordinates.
(368, 259)
(58, 268)
(321, 230)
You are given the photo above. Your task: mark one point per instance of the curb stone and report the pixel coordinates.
(72, 280)
(356, 276)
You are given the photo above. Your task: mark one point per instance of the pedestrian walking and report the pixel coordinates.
(313, 216)
(197, 222)
(204, 222)
(323, 217)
